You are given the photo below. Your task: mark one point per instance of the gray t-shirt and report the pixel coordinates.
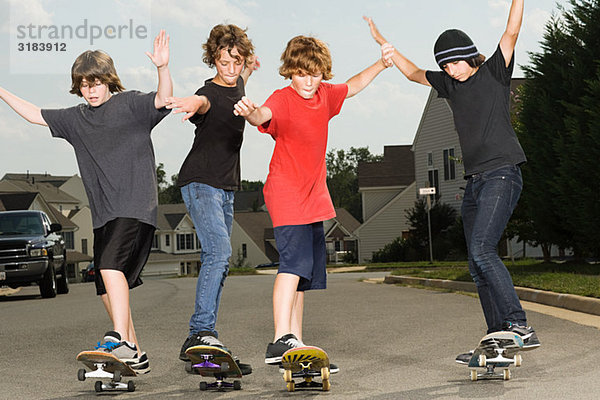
(481, 109)
(114, 153)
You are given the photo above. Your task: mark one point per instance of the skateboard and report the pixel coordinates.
(498, 349)
(306, 363)
(215, 362)
(105, 366)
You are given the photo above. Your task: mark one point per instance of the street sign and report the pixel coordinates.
(426, 191)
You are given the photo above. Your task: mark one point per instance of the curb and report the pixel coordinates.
(588, 305)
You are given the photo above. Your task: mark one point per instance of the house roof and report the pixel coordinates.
(56, 181)
(346, 220)
(249, 201)
(50, 192)
(77, 257)
(396, 169)
(259, 227)
(170, 215)
(23, 200)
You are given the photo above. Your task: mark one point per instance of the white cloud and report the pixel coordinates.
(25, 12)
(201, 14)
(535, 21)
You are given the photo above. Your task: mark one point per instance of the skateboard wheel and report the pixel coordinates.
(98, 386)
(290, 386)
(287, 375)
(117, 376)
(518, 360)
(237, 385)
(188, 367)
(326, 385)
(482, 360)
(130, 386)
(203, 386)
(506, 374)
(473, 375)
(325, 373)
(81, 375)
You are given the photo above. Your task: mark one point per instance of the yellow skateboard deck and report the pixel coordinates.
(306, 362)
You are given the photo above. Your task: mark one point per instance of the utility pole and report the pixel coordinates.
(428, 191)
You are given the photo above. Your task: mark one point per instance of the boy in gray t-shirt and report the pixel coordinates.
(111, 138)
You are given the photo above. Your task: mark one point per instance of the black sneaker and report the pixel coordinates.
(530, 339)
(281, 345)
(464, 358)
(141, 365)
(204, 338)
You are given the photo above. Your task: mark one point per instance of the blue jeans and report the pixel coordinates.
(490, 198)
(211, 211)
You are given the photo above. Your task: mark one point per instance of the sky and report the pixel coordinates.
(387, 112)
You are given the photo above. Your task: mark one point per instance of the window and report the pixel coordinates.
(449, 165)
(434, 181)
(244, 251)
(430, 160)
(155, 243)
(84, 248)
(167, 240)
(185, 241)
(69, 238)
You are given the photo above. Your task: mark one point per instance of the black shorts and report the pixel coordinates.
(122, 244)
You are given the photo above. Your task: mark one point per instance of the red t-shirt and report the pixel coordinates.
(296, 188)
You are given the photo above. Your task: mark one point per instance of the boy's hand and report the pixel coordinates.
(387, 51)
(252, 63)
(160, 57)
(244, 107)
(374, 31)
(188, 105)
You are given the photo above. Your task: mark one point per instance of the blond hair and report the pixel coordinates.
(306, 54)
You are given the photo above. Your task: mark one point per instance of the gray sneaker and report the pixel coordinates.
(141, 365)
(123, 350)
(530, 339)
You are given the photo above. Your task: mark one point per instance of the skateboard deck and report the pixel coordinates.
(107, 368)
(211, 361)
(498, 349)
(306, 362)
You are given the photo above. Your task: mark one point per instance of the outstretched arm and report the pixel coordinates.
(359, 81)
(252, 64)
(189, 105)
(25, 109)
(513, 27)
(407, 67)
(254, 114)
(160, 58)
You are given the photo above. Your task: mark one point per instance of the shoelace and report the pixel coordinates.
(108, 345)
(293, 342)
(211, 341)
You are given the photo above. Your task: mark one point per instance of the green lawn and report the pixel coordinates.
(579, 279)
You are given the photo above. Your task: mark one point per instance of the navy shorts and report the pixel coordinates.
(122, 244)
(302, 252)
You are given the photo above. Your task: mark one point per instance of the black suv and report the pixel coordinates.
(31, 251)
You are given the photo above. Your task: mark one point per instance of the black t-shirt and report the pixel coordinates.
(481, 109)
(215, 155)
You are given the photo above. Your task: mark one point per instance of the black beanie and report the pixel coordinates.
(453, 45)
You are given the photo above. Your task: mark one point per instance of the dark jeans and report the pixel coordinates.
(490, 198)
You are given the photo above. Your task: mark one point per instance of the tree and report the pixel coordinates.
(168, 193)
(342, 177)
(558, 127)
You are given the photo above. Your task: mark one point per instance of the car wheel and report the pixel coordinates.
(62, 283)
(48, 282)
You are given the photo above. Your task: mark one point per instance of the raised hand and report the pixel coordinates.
(160, 56)
(252, 63)
(374, 31)
(387, 52)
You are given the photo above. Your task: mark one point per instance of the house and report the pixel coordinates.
(387, 190)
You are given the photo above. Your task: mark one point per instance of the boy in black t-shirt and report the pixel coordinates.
(479, 95)
(111, 138)
(211, 171)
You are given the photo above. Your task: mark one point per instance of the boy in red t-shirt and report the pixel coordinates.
(296, 194)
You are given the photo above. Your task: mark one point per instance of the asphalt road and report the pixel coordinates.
(390, 342)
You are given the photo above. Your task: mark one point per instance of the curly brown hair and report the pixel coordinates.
(306, 54)
(92, 65)
(226, 37)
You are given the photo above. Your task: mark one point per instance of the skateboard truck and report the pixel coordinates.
(99, 373)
